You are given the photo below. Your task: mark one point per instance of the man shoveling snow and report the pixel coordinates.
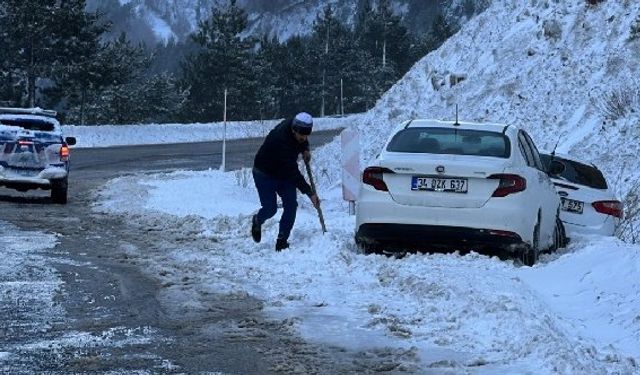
(275, 172)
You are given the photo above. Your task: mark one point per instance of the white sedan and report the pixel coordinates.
(461, 185)
(588, 205)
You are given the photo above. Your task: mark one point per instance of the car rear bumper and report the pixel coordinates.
(42, 179)
(436, 237)
(606, 228)
(496, 215)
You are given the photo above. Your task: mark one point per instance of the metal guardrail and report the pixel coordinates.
(29, 111)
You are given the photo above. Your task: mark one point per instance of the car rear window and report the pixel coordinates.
(578, 173)
(451, 141)
(29, 124)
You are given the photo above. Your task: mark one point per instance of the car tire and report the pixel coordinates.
(559, 236)
(59, 191)
(529, 254)
(564, 241)
(367, 247)
(557, 241)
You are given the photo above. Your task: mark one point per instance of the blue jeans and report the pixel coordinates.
(268, 187)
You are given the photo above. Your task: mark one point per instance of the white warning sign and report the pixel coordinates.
(350, 142)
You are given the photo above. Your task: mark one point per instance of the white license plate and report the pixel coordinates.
(571, 205)
(451, 185)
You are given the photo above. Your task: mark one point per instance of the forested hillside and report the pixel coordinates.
(69, 57)
(153, 21)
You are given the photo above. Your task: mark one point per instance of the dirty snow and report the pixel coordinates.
(30, 291)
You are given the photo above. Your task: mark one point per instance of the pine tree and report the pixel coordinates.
(268, 74)
(364, 14)
(40, 36)
(104, 89)
(389, 38)
(437, 34)
(422, 13)
(359, 80)
(384, 38)
(441, 30)
(332, 43)
(297, 77)
(223, 63)
(159, 99)
(168, 56)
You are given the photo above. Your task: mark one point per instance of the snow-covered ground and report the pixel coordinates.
(577, 311)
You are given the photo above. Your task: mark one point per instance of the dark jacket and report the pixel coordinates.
(278, 156)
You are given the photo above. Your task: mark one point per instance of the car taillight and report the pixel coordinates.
(64, 152)
(373, 176)
(509, 184)
(504, 233)
(613, 208)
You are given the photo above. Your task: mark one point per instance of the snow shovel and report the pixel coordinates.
(313, 190)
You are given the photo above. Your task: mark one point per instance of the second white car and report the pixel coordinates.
(588, 204)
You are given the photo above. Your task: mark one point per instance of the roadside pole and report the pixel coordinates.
(224, 136)
(341, 99)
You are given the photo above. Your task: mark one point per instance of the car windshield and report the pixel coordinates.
(29, 124)
(451, 141)
(578, 173)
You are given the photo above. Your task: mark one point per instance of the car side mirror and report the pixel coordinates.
(556, 168)
(70, 141)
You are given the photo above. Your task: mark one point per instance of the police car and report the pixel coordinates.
(34, 154)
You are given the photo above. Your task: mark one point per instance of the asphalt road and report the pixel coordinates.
(107, 297)
(192, 156)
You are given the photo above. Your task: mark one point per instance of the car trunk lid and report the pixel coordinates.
(455, 181)
(577, 206)
(23, 150)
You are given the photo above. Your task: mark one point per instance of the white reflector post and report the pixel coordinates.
(350, 142)
(223, 166)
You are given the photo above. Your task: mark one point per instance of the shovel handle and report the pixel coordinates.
(313, 190)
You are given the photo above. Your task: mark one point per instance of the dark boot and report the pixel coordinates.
(281, 244)
(256, 230)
